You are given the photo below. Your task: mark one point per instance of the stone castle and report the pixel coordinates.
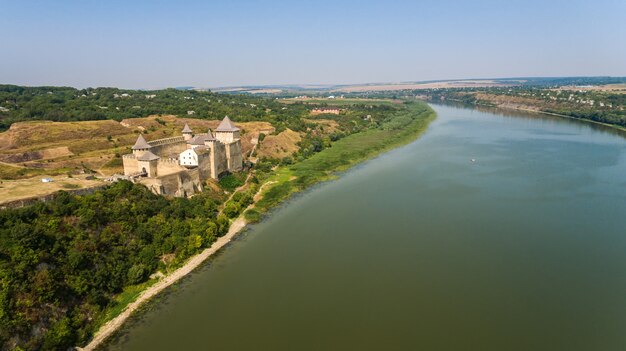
(179, 166)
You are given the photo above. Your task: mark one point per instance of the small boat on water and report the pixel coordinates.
(473, 160)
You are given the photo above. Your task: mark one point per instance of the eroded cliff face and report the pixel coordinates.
(181, 184)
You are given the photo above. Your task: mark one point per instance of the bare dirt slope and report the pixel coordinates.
(35, 148)
(281, 145)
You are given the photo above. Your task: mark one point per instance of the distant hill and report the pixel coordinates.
(429, 84)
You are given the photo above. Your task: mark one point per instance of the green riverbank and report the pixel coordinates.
(405, 126)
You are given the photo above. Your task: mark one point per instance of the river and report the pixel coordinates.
(421, 248)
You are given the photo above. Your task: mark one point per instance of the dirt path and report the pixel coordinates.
(111, 326)
(259, 193)
(245, 183)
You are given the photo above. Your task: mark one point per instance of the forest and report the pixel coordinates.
(63, 262)
(61, 104)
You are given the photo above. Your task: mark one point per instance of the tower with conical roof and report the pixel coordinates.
(187, 132)
(228, 134)
(141, 146)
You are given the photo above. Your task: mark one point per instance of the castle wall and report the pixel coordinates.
(130, 164)
(204, 165)
(149, 166)
(227, 137)
(167, 166)
(165, 150)
(181, 184)
(234, 156)
(219, 161)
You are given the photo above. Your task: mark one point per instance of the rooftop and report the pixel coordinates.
(148, 156)
(141, 144)
(200, 139)
(187, 129)
(226, 126)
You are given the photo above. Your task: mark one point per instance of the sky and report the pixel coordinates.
(151, 44)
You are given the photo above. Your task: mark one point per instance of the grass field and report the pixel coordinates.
(32, 187)
(122, 300)
(343, 154)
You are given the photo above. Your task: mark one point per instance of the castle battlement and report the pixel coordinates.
(171, 160)
(157, 142)
(129, 156)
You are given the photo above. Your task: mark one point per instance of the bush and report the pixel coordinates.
(232, 209)
(252, 216)
(230, 182)
(137, 274)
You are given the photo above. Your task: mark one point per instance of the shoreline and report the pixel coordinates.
(507, 107)
(112, 326)
(614, 126)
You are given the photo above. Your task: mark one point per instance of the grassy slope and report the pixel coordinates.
(342, 155)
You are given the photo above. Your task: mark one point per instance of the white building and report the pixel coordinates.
(188, 158)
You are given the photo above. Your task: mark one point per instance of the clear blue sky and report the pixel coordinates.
(154, 44)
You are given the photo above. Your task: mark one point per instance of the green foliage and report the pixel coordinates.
(232, 210)
(346, 152)
(69, 104)
(137, 274)
(60, 336)
(230, 182)
(594, 105)
(76, 253)
(252, 215)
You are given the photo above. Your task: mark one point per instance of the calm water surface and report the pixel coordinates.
(524, 249)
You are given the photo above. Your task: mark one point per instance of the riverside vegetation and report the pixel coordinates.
(69, 265)
(597, 99)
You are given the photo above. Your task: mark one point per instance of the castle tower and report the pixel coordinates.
(214, 155)
(147, 163)
(209, 136)
(187, 132)
(141, 146)
(226, 132)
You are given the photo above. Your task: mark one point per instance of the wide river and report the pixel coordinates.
(523, 248)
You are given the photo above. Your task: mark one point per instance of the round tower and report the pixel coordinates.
(187, 132)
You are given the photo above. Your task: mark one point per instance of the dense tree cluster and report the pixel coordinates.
(61, 104)
(61, 262)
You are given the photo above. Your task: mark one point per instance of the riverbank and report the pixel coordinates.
(536, 110)
(344, 154)
(114, 324)
(279, 186)
(614, 126)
